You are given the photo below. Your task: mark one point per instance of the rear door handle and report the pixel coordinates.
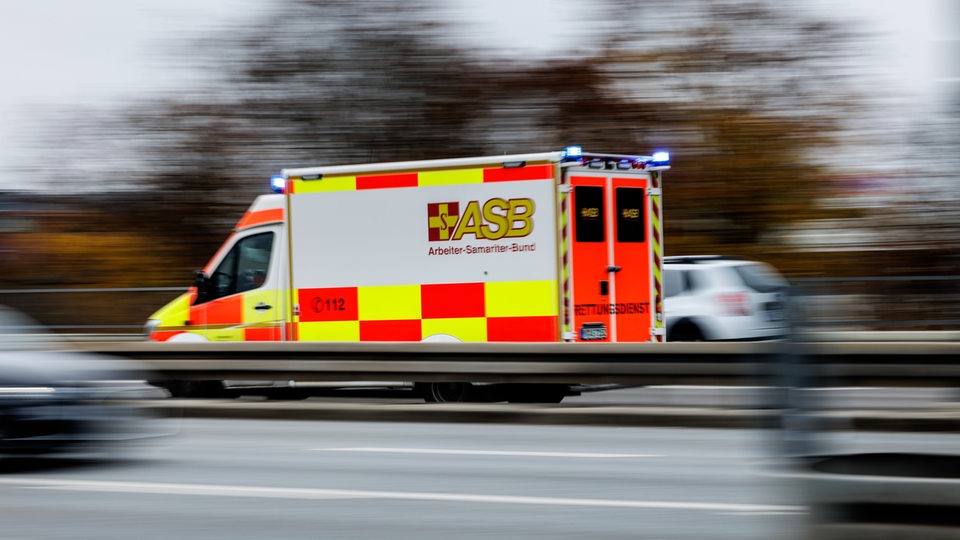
(262, 307)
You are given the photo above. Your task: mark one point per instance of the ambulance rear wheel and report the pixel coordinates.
(536, 393)
(195, 389)
(447, 392)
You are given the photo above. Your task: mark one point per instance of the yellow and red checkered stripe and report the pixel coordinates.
(439, 177)
(474, 312)
(498, 311)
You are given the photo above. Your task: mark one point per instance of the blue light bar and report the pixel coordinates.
(660, 158)
(278, 183)
(572, 153)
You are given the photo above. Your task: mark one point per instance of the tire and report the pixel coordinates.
(287, 394)
(195, 389)
(537, 393)
(448, 392)
(685, 331)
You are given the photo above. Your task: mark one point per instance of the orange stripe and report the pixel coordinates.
(405, 330)
(164, 335)
(261, 334)
(452, 300)
(328, 304)
(227, 310)
(260, 217)
(535, 172)
(384, 181)
(522, 329)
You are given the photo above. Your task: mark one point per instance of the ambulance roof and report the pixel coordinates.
(570, 154)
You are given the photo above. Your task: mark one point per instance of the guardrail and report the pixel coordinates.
(903, 495)
(900, 302)
(841, 303)
(89, 309)
(889, 364)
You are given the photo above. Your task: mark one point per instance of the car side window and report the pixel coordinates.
(244, 268)
(675, 282)
(697, 279)
(761, 278)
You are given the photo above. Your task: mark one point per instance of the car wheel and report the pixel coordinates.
(685, 331)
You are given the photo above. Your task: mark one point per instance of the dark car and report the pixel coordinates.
(53, 399)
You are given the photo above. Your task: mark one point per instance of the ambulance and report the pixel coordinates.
(561, 246)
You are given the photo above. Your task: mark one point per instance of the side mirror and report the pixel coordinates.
(202, 282)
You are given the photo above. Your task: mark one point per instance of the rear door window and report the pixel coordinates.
(630, 218)
(589, 218)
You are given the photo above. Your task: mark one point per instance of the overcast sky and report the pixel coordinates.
(92, 52)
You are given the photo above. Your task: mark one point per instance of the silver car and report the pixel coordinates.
(711, 298)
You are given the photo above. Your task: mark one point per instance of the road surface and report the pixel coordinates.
(238, 479)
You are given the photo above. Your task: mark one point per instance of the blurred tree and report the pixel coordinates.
(742, 92)
(316, 82)
(313, 82)
(756, 92)
(746, 95)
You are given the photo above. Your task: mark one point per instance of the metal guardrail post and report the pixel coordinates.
(794, 377)
(907, 495)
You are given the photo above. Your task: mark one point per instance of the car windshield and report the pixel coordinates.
(761, 277)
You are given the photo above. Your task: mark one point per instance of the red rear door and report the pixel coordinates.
(610, 256)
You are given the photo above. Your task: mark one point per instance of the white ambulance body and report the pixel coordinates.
(555, 246)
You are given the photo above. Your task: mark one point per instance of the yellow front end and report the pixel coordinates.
(172, 319)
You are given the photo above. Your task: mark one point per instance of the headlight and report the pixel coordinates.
(151, 326)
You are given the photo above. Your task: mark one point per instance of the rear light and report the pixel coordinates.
(733, 303)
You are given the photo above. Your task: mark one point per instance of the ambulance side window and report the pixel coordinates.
(244, 268)
(589, 213)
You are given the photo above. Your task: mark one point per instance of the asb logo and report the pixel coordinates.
(442, 219)
(494, 219)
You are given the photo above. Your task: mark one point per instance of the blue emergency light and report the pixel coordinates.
(571, 153)
(278, 183)
(660, 158)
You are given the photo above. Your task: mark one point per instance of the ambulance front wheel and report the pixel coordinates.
(194, 389)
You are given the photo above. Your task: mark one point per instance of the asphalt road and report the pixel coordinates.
(242, 479)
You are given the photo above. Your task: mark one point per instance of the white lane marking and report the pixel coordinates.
(797, 512)
(319, 493)
(455, 452)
